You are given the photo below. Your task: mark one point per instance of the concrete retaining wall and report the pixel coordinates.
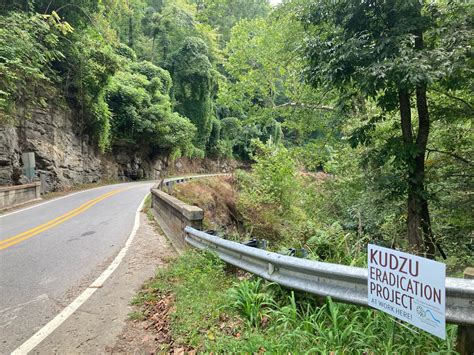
(15, 195)
(173, 215)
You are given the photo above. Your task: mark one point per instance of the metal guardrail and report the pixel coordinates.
(170, 182)
(343, 283)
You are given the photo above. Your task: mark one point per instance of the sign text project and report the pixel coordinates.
(408, 287)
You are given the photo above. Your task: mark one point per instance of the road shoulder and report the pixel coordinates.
(100, 322)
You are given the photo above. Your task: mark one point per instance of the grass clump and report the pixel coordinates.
(147, 209)
(136, 315)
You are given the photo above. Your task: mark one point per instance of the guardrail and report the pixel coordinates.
(343, 283)
(170, 182)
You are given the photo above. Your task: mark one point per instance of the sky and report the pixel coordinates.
(275, 2)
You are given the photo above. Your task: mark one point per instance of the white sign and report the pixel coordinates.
(408, 287)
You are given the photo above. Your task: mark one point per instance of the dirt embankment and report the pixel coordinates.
(217, 197)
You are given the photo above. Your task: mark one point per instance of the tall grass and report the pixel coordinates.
(307, 324)
(215, 311)
(251, 300)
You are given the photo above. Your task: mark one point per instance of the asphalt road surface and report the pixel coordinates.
(51, 252)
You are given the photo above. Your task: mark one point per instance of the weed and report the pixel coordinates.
(251, 301)
(142, 297)
(216, 196)
(137, 315)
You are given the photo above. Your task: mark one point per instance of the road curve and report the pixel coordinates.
(51, 252)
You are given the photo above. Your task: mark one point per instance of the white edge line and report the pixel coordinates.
(69, 195)
(52, 325)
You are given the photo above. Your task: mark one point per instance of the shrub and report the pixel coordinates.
(29, 44)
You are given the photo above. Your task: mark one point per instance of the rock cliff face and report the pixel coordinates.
(65, 157)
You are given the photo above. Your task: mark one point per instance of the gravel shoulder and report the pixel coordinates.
(102, 324)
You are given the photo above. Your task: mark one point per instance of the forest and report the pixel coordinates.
(356, 117)
(375, 94)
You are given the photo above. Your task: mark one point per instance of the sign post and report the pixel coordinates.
(29, 165)
(408, 287)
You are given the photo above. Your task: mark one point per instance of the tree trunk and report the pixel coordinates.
(421, 143)
(414, 235)
(153, 46)
(419, 232)
(130, 31)
(165, 44)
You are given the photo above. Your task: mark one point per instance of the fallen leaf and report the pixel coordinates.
(211, 336)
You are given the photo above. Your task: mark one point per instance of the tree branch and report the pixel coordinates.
(303, 105)
(451, 155)
(455, 98)
(80, 8)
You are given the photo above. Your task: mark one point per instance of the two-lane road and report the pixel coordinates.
(51, 252)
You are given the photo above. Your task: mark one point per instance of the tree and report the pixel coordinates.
(78, 13)
(224, 14)
(165, 27)
(168, 24)
(265, 88)
(393, 52)
(139, 100)
(195, 86)
(29, 46)
(89, 66)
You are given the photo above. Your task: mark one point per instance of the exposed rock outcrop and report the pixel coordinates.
(65, 156)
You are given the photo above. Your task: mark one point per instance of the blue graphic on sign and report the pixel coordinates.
(424, 314)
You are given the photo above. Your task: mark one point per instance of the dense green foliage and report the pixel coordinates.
(391, 52)
(224, 15)
(370, 93)
(143, 112)
(335, 216)
(195, 86)
(137, 73)
(25, 62)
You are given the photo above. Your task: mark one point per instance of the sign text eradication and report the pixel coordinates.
(408, 287)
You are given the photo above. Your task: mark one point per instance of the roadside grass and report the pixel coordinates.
(147, 208)
(136, 316)
(215, 310)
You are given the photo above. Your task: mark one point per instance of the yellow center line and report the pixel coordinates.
(56, 219)
(54, 222)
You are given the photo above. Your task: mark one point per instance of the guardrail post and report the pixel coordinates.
(38, 190)
(256, 243)
(465, 340)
